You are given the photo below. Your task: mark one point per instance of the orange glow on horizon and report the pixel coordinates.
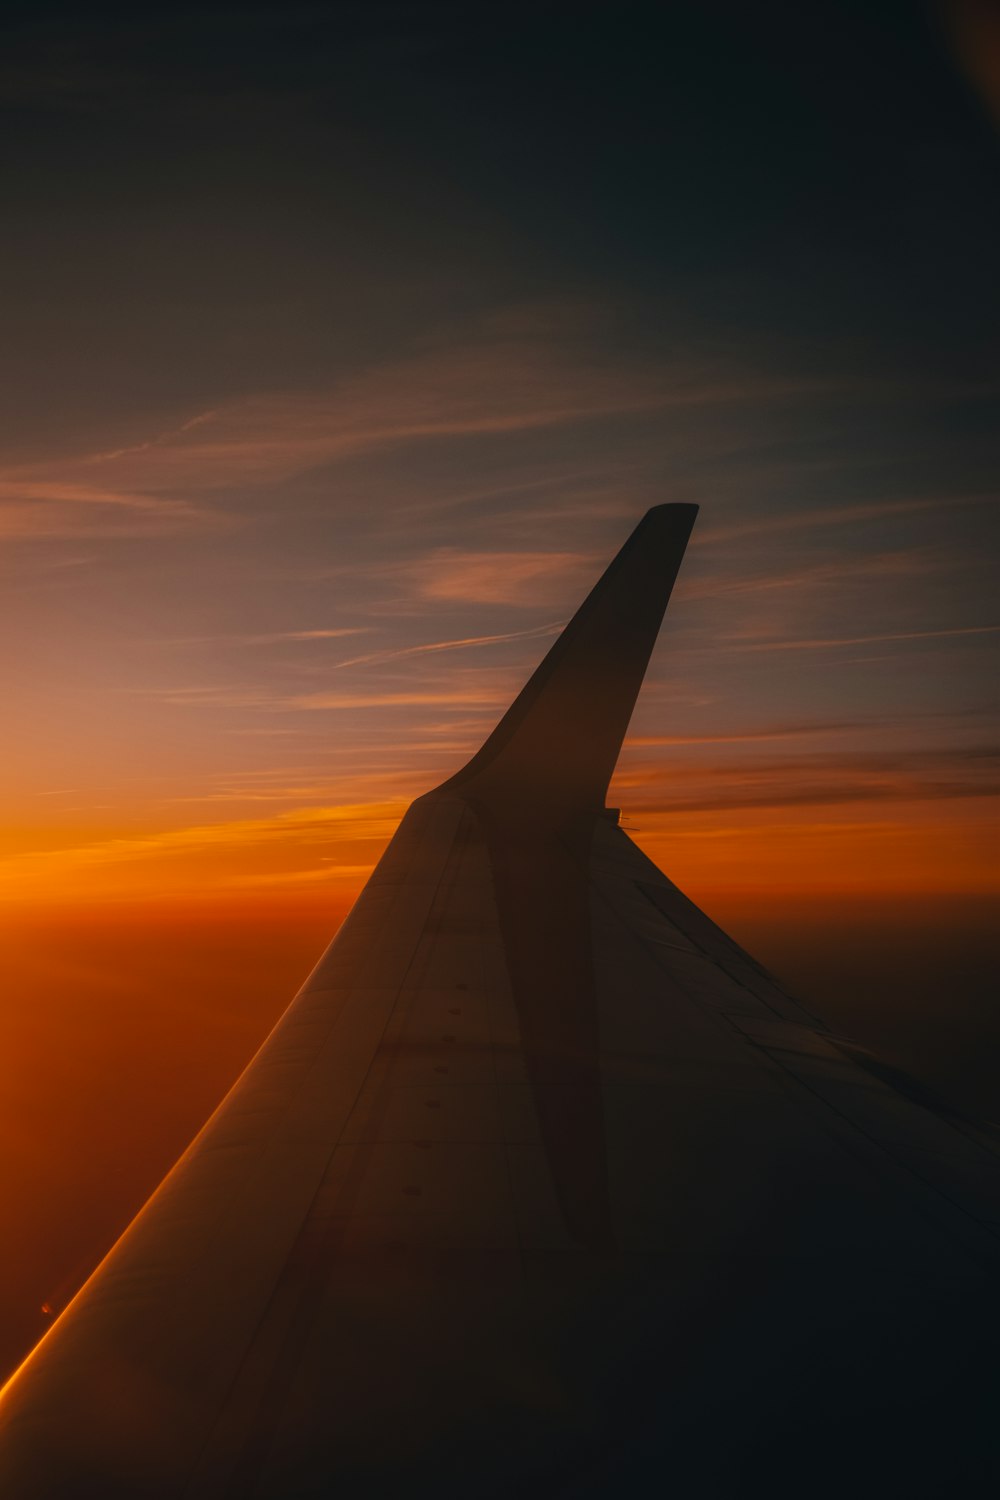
(890, 839)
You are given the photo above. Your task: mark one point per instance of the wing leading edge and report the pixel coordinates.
(540, 1183)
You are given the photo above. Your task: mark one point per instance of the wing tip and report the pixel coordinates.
(557, 744)
(672, 510)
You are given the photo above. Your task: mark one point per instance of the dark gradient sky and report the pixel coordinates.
(204, 202)
(342, 345)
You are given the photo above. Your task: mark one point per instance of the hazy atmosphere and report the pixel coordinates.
(343, 346)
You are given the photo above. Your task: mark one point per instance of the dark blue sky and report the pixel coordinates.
(204, 200)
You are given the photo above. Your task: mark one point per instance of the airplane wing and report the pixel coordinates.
(541, 1185)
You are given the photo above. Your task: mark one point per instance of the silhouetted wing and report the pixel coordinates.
(541, 1185)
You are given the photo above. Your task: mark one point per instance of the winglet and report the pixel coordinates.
(557, 745)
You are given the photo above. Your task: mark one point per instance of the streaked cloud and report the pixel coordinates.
(267, 638)
(405, 699)
(503, 378)
(815, 518)
(223, 852)
(906, 774)
(864, 640)
(729, 577)
(820, 728)
(518, 578)
(59, 509)
(429, 648)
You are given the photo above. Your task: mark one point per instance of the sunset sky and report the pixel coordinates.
(343, 345)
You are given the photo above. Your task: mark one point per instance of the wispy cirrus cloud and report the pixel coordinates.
(834, 642)
(432, 648)
(451, 575)
(817, 728)
(736, 577)
(816, 518)
(214, 695)
(906, 775)
(320, 836)
(58, 508)
(499, 381)
(264, 638)
(488, 386)
(412, 698)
